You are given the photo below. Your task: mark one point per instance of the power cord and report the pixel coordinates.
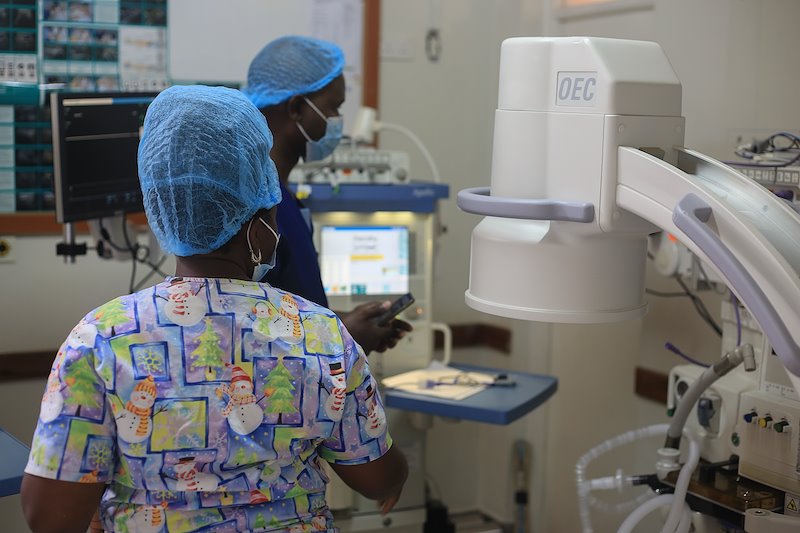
(768, 156)
(155, 269)
(134, 254)
(767, 153)
(699, 306)
(674, 349)
(133, 248)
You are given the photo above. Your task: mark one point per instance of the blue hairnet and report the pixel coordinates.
(290, 66)
(204, 167)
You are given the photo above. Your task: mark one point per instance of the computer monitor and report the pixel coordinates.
(95, 143)
(364, 260)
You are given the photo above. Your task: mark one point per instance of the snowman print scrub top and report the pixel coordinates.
(207, 405)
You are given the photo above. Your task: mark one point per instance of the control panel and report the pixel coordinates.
(766, 439)
(355, 165)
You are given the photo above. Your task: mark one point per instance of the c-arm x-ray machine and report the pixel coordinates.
(587, 162)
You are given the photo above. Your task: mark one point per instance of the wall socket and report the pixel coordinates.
(8, 249)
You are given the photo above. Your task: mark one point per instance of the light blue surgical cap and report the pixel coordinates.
(204, 167)
(290, 66)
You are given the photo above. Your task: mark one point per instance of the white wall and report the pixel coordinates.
(450, 105)
(49, 296)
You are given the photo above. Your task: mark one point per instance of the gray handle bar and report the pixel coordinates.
(477, 200)
(691, 216)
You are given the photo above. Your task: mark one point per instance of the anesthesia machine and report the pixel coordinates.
(375, 232)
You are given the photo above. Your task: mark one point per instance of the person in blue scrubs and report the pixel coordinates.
(297, 84)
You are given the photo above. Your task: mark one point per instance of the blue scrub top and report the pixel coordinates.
(297, 264)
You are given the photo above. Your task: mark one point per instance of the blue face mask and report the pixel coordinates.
(260, 269)
(322, 148)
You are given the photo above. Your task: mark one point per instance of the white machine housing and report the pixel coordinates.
(587, 162)
(557, 129)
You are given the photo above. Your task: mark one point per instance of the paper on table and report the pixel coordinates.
(414, 381)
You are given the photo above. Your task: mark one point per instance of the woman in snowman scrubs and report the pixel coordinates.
(186, 410)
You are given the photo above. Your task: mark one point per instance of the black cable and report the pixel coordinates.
(107, 237)
(711, 284)
(698, 304)
(133, 277)
(666, 294)
(700, 307)
(156, 267)
(153, 270)
(134, 248)
(795, 142)
(144, 260)
(133, 251)
(768, 146)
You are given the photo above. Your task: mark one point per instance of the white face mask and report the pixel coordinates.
(322, 148)
(260, 269)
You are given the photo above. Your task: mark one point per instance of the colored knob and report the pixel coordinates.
(764, 422)
(750, 416)
(781, 427)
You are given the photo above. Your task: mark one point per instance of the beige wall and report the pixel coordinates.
(450, 105)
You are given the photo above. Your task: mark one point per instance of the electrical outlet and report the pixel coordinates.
(8, 249)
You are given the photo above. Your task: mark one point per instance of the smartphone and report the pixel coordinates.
(397, 307)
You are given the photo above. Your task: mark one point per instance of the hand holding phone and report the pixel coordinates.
(363, 323)
(397, 307)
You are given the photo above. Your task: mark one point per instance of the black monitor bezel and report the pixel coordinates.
(64, 214)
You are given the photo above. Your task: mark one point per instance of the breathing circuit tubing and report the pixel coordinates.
(679, 517)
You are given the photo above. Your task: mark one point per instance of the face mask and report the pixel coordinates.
(260, 269)
(317, 150)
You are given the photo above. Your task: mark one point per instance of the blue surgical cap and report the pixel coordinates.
(204, 167)
(291, 66)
